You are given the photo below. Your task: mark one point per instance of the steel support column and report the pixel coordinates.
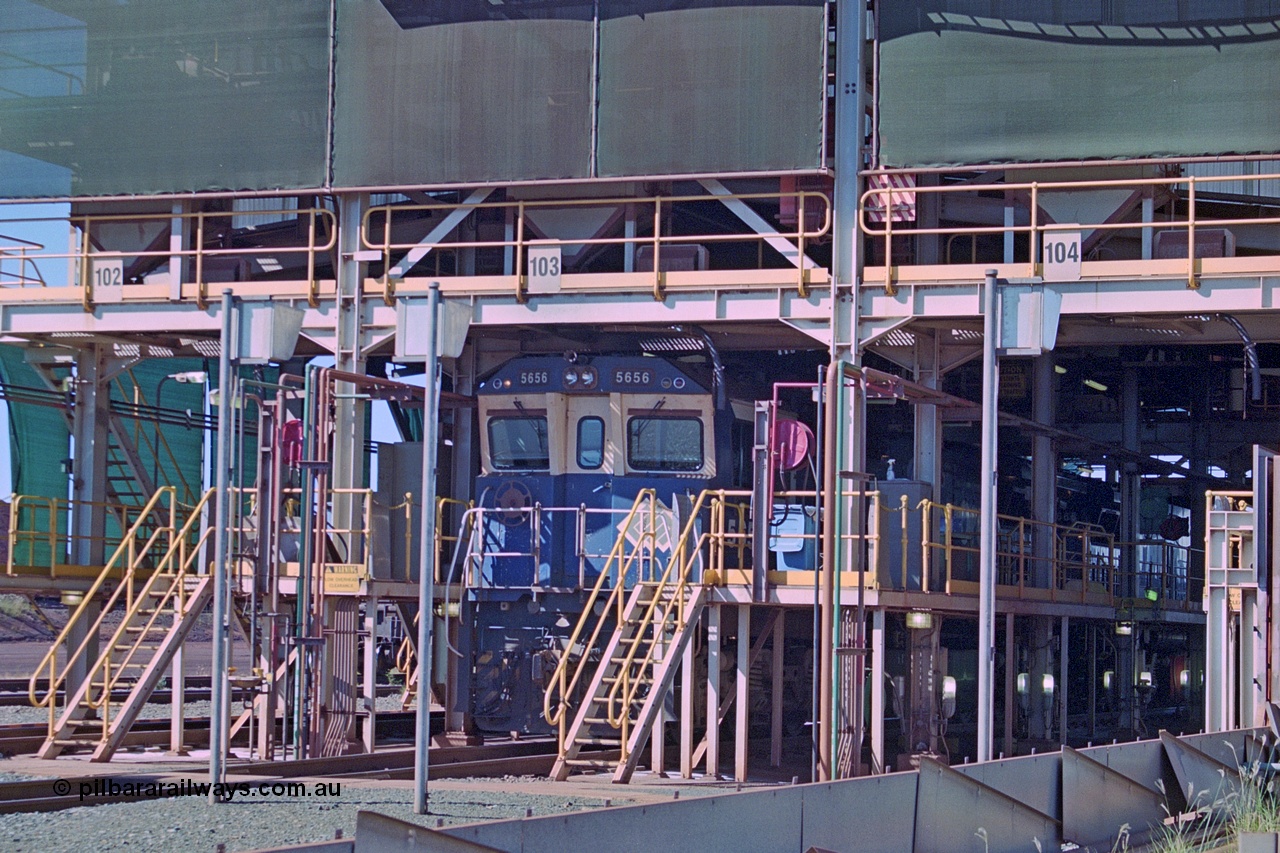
(742, 701)
(713, 690)
(1010, 667)
(218, 714)
(775, 691)
(348, 420)
(368, 678)
(1064, 660)
(89, 432)
(686, 711)
(1044, 471)
(426, 555)
(877, 691)
(987, 538)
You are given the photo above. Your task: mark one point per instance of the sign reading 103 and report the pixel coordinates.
(544, 269)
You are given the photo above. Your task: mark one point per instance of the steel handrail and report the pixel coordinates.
(179, 546)
(561, 684)
(1035, 227)
(87, 253)
(125, 550)
(1098, 550)
(520, 244)
(622, 694)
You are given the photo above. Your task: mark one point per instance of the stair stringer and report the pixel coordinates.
(200, 596)
(673, 652)
(607, 668)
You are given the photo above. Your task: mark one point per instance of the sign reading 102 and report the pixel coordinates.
(108, 280)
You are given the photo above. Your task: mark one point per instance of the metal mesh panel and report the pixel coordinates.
(981, 82)
(712, 90)
(102, 97)
(463, 101)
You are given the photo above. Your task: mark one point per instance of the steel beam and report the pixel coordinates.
(451, 220)
(758, 224)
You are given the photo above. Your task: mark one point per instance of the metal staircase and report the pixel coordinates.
(653, 622)
(161, 596)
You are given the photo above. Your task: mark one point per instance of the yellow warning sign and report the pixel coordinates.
(343, 578)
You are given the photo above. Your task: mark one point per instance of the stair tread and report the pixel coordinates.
(590, 762)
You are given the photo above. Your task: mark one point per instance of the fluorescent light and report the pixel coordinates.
(1095, 385)
(921, 619)
(1058, 368)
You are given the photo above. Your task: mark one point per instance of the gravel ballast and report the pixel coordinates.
(193, 825)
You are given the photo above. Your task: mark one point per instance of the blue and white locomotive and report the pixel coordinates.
(566, 445)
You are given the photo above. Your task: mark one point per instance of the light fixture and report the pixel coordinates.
(1124, 629)
(1153, 595)
(921, 620)
(1024, 683)
(1046, 684)
(1184, 679)
(1095, 385)
(1107, 678)
(190, 377)
(1059, 369)
(948, 696)
(1144, 680)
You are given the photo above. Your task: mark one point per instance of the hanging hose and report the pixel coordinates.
(717, 367)
(1250, 356)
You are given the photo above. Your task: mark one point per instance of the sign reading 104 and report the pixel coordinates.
(1062, 256)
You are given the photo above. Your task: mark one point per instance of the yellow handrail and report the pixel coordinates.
(879, 198)
(125, 551)
(619, 562)
(176, 576)
(622, 694)
(379, 238)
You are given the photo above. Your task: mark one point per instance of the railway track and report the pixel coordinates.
(13, 691)
(27, 738)
(501, 759)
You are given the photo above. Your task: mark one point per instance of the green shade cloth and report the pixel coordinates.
(104, 97)
(712, 90)
(100, 97)
(467, 101)
(961, 84)
(39, 442)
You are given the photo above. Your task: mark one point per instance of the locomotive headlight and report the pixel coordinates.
(571, 378)
(589, 377)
